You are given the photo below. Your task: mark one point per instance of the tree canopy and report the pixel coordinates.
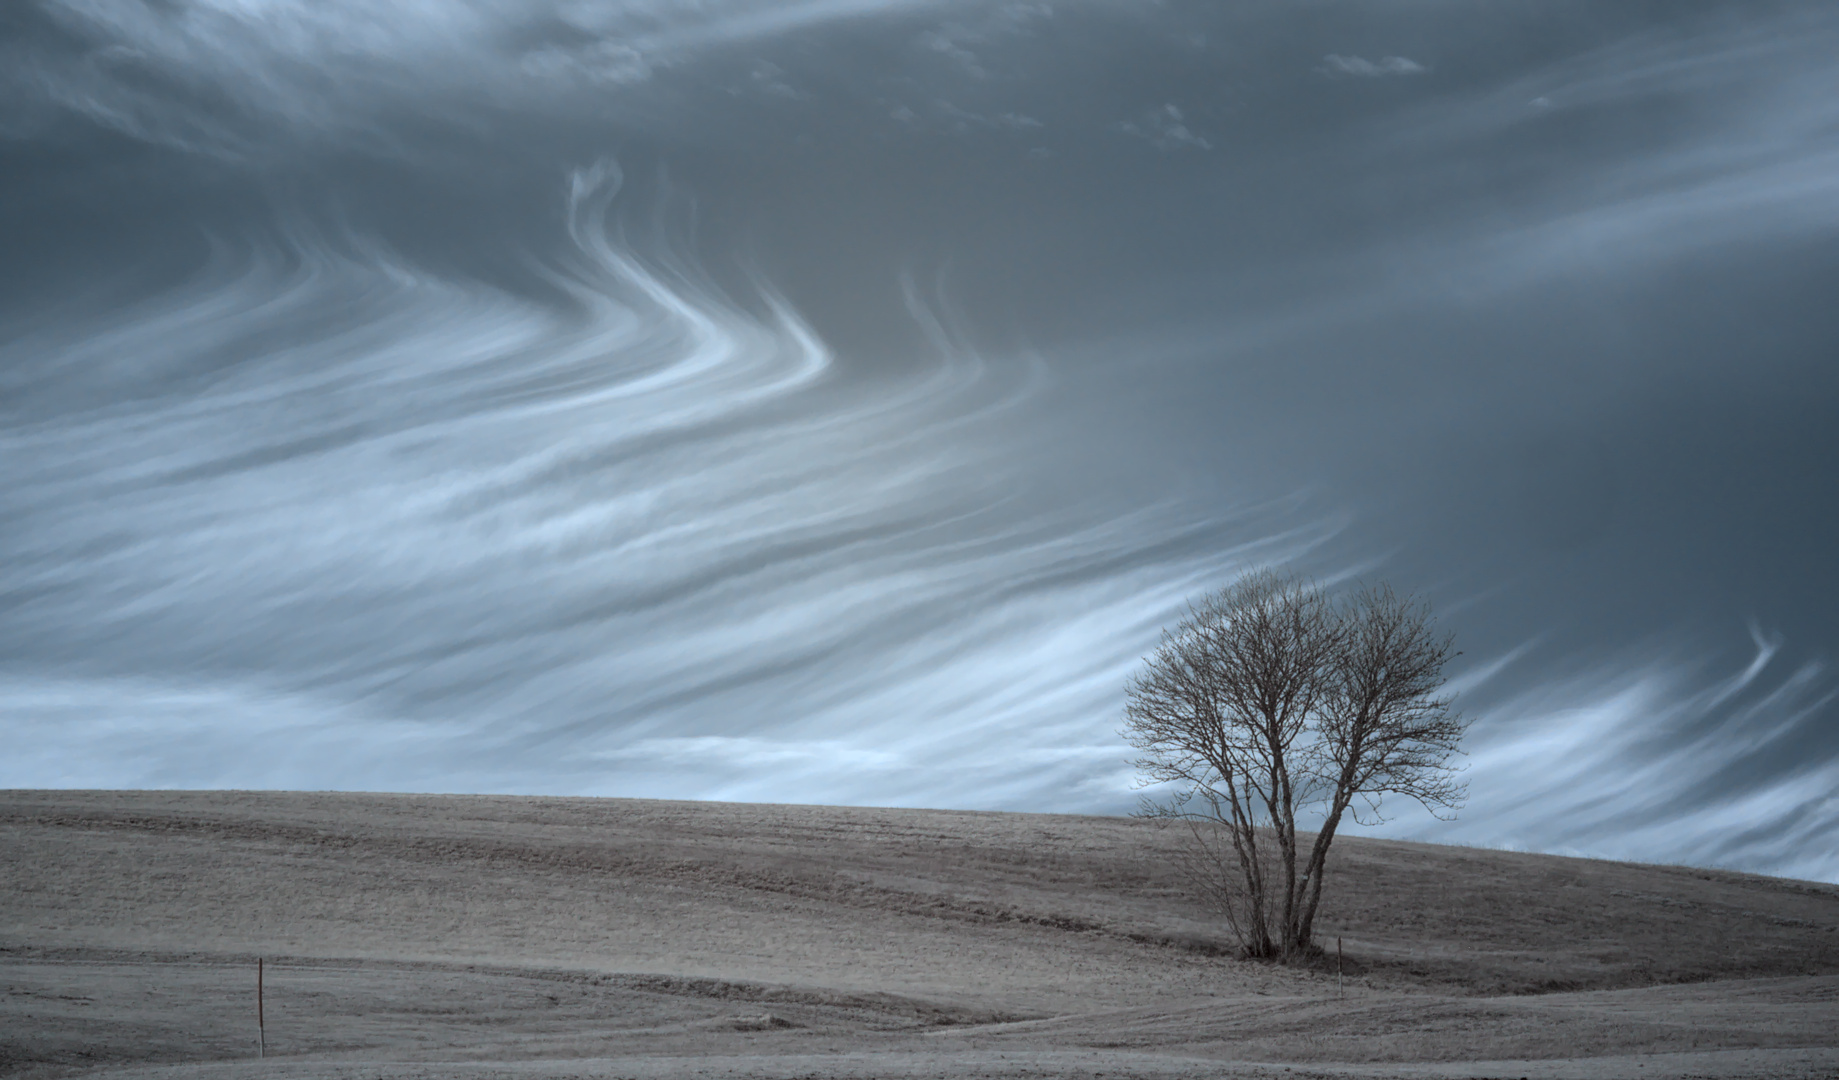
(1271, 698)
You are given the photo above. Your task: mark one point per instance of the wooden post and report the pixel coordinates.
(261, 1024)
(1340, 986)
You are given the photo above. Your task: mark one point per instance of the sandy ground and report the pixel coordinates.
(422, 936)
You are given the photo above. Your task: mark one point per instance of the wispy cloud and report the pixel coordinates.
(947, 41)
(1165, 128)
(1360, 67)
(1651, 761)
(448, 526)
(769, 78)
(521, 498)
(599, 63)
(958, 40)
(222, 77)
(959, 120)
(1747, 159)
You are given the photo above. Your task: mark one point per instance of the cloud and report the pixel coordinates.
(221, 78)
(954, 40)
(947, 42)
(1744, 161)
(1650, 761)
(769, 79)
(622, 542)
(1165, 129)
(522, 499)
(600, 63)
(1335, 64)
(963, 120)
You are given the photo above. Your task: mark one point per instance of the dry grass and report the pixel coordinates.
(479, 928)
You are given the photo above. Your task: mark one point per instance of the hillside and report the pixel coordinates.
(638, 937)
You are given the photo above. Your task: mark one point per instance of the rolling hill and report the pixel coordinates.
(414, 935)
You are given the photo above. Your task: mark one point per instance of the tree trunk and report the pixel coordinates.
(1318, 861)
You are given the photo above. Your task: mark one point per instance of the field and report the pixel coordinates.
(479, 936)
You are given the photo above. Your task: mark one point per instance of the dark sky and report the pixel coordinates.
(828, 401)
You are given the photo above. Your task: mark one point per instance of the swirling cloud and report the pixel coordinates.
(343, 522)
(434, 476)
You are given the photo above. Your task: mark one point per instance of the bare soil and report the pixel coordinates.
(410, 936)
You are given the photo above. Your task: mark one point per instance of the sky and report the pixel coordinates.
(828, 401)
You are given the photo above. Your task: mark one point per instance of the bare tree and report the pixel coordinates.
(1271, 699)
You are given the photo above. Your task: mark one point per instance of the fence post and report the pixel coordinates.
(1340, 985)
(261, 1023)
